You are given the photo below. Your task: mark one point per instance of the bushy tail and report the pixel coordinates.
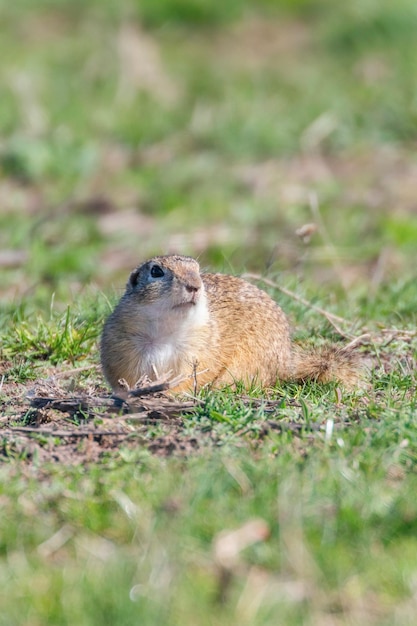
(328, 363)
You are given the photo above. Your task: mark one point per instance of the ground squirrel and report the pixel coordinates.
(208, 329)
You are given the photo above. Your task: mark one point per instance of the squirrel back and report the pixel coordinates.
(207, 329)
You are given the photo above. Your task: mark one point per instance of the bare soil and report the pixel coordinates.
(44, 423)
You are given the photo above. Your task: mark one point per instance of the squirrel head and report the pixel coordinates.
(167, 283)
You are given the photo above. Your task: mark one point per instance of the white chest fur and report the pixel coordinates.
(168, 343)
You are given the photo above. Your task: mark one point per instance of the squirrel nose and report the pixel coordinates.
(192, 288)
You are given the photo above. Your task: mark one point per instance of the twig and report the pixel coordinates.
(365, 338)
(87, 405)
(75, 370)
(143, 391)
(398, 331)
(151, 417)
(84, 404)
(65, 433)
(157, 387)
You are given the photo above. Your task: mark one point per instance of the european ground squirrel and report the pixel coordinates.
(207, 329)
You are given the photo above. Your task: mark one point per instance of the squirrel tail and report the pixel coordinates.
(327, 364)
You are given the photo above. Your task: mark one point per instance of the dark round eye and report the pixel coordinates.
(156, 271)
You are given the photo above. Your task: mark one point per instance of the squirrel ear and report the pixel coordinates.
(133, 278)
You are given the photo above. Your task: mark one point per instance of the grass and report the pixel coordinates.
(254, 120)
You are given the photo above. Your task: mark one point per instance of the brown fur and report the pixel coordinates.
(210, 329)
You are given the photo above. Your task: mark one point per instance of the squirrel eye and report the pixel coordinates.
(157, 272)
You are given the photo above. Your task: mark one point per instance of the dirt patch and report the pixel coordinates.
(48, 424)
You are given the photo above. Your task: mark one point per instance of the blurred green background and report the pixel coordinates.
(211, 128)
